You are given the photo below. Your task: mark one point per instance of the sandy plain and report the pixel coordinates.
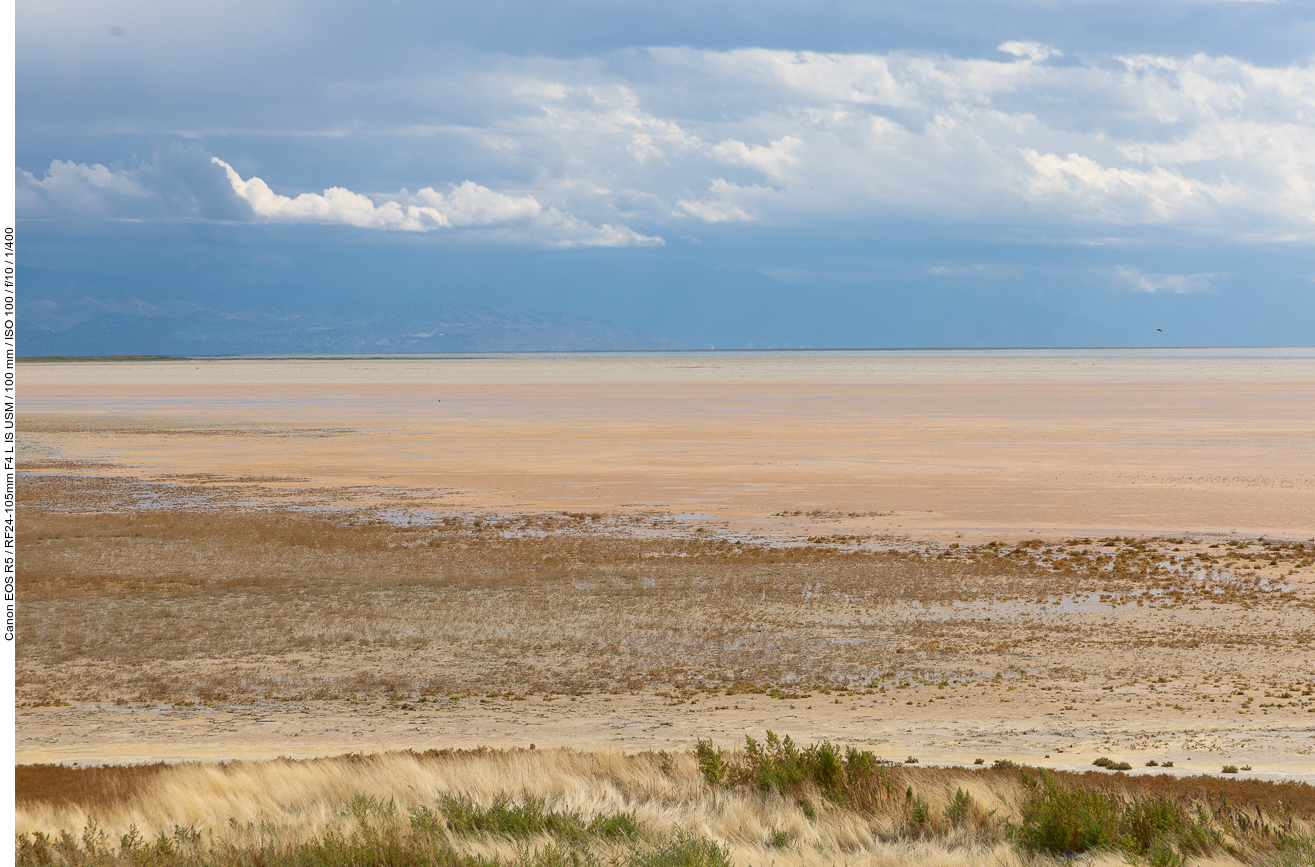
(939, 445)
(814, 500)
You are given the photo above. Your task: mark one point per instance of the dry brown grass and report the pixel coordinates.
(306, 800)
(194, 602)
(90, 789)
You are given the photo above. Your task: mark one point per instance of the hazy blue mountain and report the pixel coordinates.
(84, 313)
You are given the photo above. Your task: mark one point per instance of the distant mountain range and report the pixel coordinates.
(82, 313)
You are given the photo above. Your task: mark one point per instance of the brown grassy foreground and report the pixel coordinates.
(774, 803)
(150, 592)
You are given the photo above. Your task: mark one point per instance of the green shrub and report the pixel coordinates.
(366, 810)
(827, 767)
(1058, 817)
(1295, 852)
(527, 819)
(1147, 823)
(777, 765)
(851, 777)
(712, 762)
(616, 827)
(426, 822)
(509, 819)
(917, 813)
(684, 850)
(960, 808)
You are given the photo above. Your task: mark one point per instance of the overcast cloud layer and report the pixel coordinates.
(1059, 130)
(1023, 140)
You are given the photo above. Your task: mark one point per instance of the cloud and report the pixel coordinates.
(609, 149)
(335, 205)
(178, 183)
(186, 182)
(727, 202)
(713, 212)
(1092, 148)
(1119, 195)
(1173, 284)
(465, 205)
(771, 159)
(1033, 51)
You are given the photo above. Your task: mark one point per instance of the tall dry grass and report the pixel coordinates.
(284, 803)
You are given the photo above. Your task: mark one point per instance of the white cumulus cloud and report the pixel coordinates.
(465, 205)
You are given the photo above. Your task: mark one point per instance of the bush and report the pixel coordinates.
(960, 808)
(1229, 769)
(685, 850)
(917, 812)
(712, 762)
(1295, 852)
(619, 826)
(852, 778)
(1059, 817)
(527, 819)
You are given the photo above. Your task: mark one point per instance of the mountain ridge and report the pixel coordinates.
(81, 313)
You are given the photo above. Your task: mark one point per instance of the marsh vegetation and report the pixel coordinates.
(160, 600)
(771, 802)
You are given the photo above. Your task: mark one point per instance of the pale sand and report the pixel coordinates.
(940, 448)
(934, 446)
(1279, 746)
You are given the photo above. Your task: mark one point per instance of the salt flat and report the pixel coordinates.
(934, 446)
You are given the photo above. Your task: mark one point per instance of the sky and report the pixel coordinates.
(842, 174)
